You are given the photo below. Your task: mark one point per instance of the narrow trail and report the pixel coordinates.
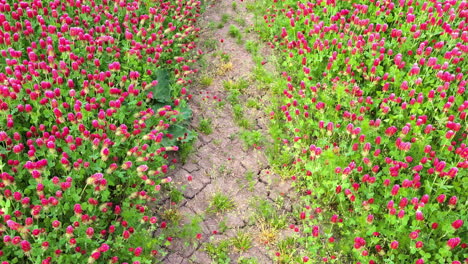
(221, 163)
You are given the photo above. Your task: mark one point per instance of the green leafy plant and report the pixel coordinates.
(185, 150)
(205, 126)
(235, 32)
(222, 226)
(219, 252)
(242, 241)
(210, 44)
(190, 230)
(206, 80)
(252, 46)
(250, 177)
(240, 21)
(225, 57)
(245, 260)
(220, 203)
(238, 111)
(225, 18)
(252, 138)
(253, 103)
(238, 85)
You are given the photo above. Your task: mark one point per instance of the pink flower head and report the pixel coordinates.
(453, 201)
(414, 235)
(457, 223)
(441, 198)
(419, 216)
(138, 251)
(419, 244)
(453, 242)
(96, 255)
(13, 225)
(25, 246)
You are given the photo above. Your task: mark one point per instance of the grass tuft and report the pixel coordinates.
(242, 241)
(205, 126)
(220, 203)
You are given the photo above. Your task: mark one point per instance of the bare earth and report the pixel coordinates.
(221, 161)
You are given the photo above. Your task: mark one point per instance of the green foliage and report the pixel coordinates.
(225, 57)
(163, 91)
(240, 21)
(266, 212)
(210, 44)
(253, 103)
(220, 203)
(190, 230)
(357, 141)
(244, 123)
(171, 215)
(222, 226)
(212, 25)
(252, 138)
(238, 111)
(239, 85)
(250, 177)
(87, 122)
(233, 97)
(225, 18)
(287, 248)
(176, 195)
(242, 241)
(185, 150)
(235, 32)
(204, 126)
(252, 46)
(219, 252)
(206, 80)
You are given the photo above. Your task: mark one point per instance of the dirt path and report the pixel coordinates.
(233, 209)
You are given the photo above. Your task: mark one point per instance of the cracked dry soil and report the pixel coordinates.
(220, 161)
